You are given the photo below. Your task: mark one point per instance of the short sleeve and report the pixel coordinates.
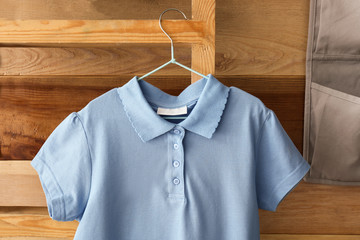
(279, 165)
(63, 164)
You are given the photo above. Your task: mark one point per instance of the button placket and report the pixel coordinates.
(176, 182)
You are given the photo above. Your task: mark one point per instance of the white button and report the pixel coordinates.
(176, 163)
(176, 146)
(176, 181)
(176, 131)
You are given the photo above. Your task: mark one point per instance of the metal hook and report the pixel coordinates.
(172, 44)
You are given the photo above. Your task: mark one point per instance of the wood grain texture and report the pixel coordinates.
(255, 40)
(203, 55)
(32, 106)
(20, 185)
(34, 238)
(251, 39)
(91, 32)
(261, 37)
(308, 237)
(308, 209)
(35, 223)
(315, 209)
(89, 9)
(128, 59)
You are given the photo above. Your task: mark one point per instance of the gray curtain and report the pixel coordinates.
(332, 94)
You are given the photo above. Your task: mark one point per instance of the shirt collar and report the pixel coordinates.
(203, 120)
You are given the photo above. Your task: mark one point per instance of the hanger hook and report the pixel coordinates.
(172, 44)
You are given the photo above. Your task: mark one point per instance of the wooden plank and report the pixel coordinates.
(251, 38)
(308, 237)
(32, 106)
(33, 223)
(203, 55)
(308, 209)
(34, 238)
(254, 41)
(315, 209)
(19, 185)
(88, 9)
(127, 59)
(87, 32)
(261, 37)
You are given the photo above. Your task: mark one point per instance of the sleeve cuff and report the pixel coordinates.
(287, 185)
(53, 193)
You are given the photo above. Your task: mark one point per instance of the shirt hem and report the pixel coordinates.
(287, 185)
(53, 193)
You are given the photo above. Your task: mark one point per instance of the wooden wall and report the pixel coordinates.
(260, 48)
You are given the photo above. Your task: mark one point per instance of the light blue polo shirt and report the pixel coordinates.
(126, 172)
